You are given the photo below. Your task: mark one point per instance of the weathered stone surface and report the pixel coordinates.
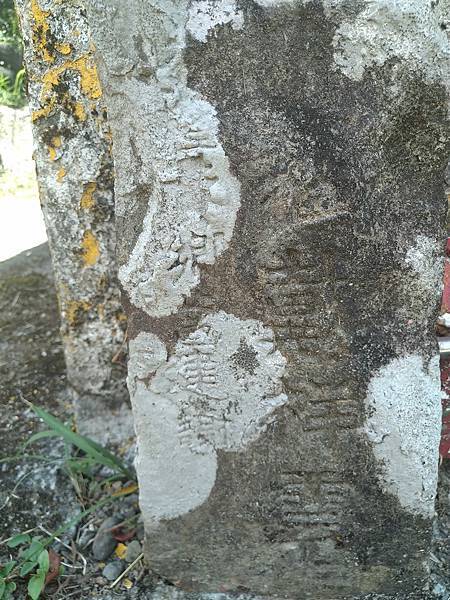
(281, 223)
(75, 172)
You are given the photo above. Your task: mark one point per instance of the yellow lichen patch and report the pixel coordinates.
(64, 48)
(40, 31)
(89, 81)
(79, 112)
(87, 199)
(90, 248)
(55, 143)
(60, 174)
(75, 310)
(44, 111)
(89, 84)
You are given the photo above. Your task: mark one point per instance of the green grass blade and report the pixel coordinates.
(92, 449)
(39, 436)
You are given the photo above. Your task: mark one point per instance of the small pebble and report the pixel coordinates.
(113, 570)
(129, 514)
(131, 500)
(104, 542)
(134, 549)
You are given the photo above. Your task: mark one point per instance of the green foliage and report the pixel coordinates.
(32, 559)
(6, 587)
(95, 453)
(9, 26)
(13, 94)
(37, 582)
(32, 556)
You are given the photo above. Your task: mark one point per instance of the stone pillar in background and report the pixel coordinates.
(75, 175)
(280, 213)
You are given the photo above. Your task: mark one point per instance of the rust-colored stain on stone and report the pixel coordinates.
(90, 248)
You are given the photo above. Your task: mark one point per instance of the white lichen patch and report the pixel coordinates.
(206, 15)
(403, 426)
(426, 259)
(328, 5)
(411, 31)
(166, 151)
(218, 391)
(146, 354)
(269, 3)
(193, 203)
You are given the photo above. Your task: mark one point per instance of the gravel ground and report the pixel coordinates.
(34, 494)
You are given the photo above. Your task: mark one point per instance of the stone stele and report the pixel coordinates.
(76, 186)
(280, 216)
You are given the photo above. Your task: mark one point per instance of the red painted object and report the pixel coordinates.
(444, 448)
(445, 307)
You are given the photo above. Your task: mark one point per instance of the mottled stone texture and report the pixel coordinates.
(75, 175)
(281, 223)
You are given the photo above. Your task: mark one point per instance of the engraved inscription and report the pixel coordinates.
(219, 390)
(310, 503)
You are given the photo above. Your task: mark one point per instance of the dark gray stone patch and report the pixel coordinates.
(338, 178)
(245, 358)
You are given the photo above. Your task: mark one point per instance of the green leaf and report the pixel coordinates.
(34, 549)
(36, 585)
(39, 436)
(80, 465)
(7, 568)
(92, 449)
(17, 540)
(44, 562)
(2, 587)
(10, 588)
(27, 567)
